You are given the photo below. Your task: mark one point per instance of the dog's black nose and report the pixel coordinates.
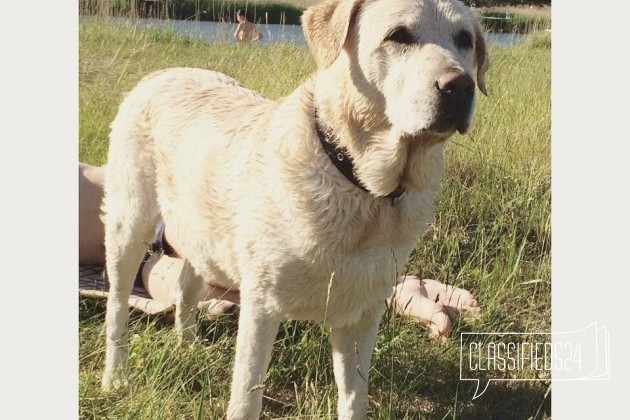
(456, 83)
(456, 92)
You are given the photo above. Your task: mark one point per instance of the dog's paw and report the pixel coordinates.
(112, 383)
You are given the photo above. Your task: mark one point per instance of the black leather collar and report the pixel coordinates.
(342, 160)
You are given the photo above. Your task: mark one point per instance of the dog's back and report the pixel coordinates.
(169, 107)
(170, 120)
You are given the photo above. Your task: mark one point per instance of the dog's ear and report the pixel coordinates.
(482, 59)
(326, 26)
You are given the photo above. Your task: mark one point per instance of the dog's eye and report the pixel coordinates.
(463, 40)
(400, 35)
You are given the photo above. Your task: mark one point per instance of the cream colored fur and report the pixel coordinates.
(251, 199)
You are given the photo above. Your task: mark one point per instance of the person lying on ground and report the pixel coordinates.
(430, 302)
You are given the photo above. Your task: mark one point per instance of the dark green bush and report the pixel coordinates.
(205, 10)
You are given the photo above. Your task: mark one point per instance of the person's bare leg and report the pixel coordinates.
(432, 303)
(91, 230)
(160, 274)
(410, 299)
(429, 301)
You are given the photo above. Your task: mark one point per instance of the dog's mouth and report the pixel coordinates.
(447, 125)
(427, 137)
(450, 117)
(441, 128)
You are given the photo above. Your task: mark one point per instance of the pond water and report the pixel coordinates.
(289, 34)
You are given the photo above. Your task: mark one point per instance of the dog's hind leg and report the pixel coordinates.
(126, 239)
(352, 353)
(186, 298)
(130, 216)
(257, 329)
(128, 231)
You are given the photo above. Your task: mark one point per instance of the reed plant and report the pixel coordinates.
(261, 11)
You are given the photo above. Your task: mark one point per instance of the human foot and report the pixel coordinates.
(432, 303)
(213, 308)
(455, 300)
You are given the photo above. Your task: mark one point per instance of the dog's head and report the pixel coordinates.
(413, 59)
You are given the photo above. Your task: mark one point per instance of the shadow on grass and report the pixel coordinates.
(411, 378)
(93, 311)
(416, 379)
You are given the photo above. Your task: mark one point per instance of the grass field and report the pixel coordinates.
(491, 235)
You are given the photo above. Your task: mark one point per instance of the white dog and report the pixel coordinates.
(309, 205)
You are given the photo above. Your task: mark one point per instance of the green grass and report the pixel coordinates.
(491, 235)
(114, 58)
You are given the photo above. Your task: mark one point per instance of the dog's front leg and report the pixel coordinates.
(257, 329)
(187, 295)
(352, 353)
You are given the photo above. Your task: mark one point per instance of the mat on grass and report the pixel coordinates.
(93, 285)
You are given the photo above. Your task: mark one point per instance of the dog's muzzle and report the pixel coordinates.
(456, 92)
